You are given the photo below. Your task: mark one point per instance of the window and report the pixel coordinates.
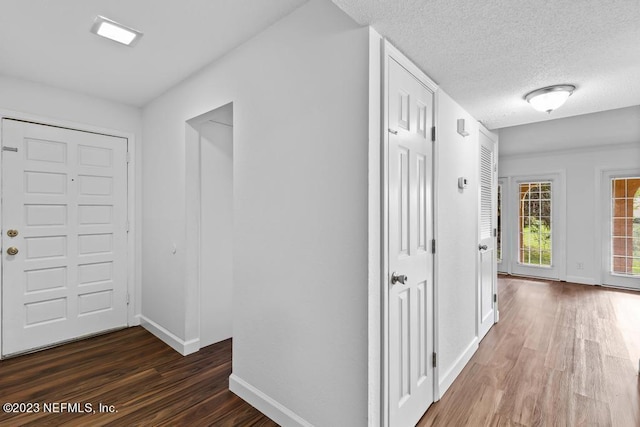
(535, 224)
(625, 226)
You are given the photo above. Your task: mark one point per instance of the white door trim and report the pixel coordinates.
(391, 53)
(133, 242)
(505, 265)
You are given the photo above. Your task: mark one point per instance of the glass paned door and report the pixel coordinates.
(625, 226)
(535, 221)
(538, 227)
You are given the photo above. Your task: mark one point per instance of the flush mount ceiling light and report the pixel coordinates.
(114, 31)
(549, 98)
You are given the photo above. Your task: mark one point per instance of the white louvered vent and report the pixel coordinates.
(486, 186)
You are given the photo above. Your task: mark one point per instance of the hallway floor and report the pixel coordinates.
(138, 380)
(561, 355)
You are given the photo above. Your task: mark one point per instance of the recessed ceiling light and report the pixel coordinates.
(114, 31)
(549, 98)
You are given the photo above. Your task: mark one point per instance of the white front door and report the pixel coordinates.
(487, 274)
(410, 259)
(64, 235)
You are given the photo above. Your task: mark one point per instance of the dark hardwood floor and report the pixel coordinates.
(144, 380)
(561, 355)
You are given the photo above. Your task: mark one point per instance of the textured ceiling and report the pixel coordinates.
(488, 54)
(49, 41)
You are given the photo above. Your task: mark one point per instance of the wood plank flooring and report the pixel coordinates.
(561, 355)
(147, 382)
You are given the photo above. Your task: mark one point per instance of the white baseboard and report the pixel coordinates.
(581, 280)
(179, 345)
(272, 409)
(453, 372)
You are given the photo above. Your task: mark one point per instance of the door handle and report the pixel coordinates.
(398, 278)
(482, 247)
(12, 250)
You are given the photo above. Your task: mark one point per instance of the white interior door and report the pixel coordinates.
(410, 232)
(64, 243)
(487, 268)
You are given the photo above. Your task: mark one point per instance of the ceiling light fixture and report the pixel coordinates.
(549, 98)
(114, 31)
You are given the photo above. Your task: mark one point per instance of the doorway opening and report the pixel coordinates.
(210, 223)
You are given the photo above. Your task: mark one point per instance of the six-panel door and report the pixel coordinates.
(410, 233)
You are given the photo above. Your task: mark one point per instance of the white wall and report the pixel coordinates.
(375, 229)
(456, 233)
(41, 103)
(603, 129)
(300, 214)
(618, 132)
(50, 102)
(216, 279)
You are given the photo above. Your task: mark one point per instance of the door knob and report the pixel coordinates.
(12, 233)
(398, 278)
(12, 250)
(482, 247)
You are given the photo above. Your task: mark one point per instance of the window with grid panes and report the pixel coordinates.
(535, 220)
(625, 226)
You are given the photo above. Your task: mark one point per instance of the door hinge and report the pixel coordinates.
(433, 133)
(495, 232)
(433, 246)
(127, 226)
(127, 299)
(128, 157)
(495, 297)
(435, 360)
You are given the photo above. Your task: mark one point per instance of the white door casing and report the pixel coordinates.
(487, 273)
(410, 232)
(65, 193)
(503, 264)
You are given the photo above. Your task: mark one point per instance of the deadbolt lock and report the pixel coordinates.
(12, 233)
(12, 251)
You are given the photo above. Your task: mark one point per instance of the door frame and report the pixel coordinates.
(134, 243)
(389, 52)
(504, 265)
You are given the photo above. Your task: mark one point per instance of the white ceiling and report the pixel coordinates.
(48, 41)
(486, 55)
